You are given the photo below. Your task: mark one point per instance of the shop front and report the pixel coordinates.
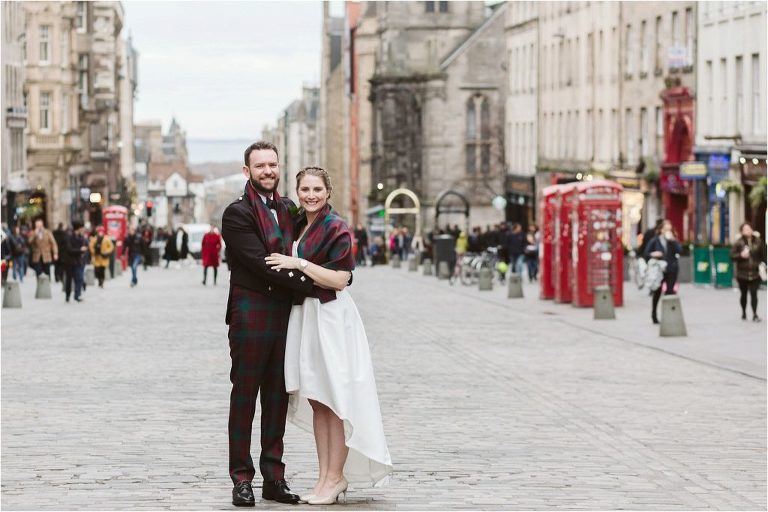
(521, 194)
(751, 162)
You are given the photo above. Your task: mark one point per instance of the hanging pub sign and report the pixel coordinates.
(693, 171)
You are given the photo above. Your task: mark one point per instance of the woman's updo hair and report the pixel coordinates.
(314, 171)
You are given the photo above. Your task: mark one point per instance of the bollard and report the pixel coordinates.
(90, 276)
(427, 267)
(413, 264)
(395, 261)
(515, 290)
(12, 296)
(486, 279)
(443, 271)
(672, 322)
(43, 290)
(603, 306)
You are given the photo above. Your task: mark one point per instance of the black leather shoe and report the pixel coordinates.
(278, 491)
(242, 494)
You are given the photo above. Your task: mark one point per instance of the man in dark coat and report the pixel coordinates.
(60, 235)
(257, 224)
(72, 250)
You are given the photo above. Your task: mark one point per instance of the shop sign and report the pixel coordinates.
(693, 171)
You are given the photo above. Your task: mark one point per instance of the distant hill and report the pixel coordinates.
(212, 170)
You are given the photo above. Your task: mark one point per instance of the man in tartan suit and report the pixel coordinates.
(255, 225)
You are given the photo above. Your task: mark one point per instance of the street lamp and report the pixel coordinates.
(95, 198)
(380, 186)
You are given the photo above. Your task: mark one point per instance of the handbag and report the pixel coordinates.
(763, 271)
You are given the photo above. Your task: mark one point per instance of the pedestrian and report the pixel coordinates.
(665, 247)
(256, 225)
(328, 367)
(101, 247)
(72, 250)
(361, 235)
(146, 234)
(649, 235)
(6, 252)
(748, 254)
(209, 253)
(182, 243)
(532, 253)
(461, 248)
(171, 252)
(19, 253)
(134, 244)
(59, 234)
(45, 250)
(515, 244)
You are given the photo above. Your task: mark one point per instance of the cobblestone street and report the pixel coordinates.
(121, 402)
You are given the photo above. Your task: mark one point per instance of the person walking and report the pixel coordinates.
(146, 233)
(73, 247)
(209, 253)
(361, 235)
(461, 248)
(256, 225)
(532, 253)
(45, 250)
(748, 253)
(135, 245)
(515, 244)
(328, 368)
(101, 247)
(19, 253)
(664, 247)
(171, 252)
(60, 235)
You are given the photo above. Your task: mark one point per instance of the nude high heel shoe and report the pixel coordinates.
(306, 497)
(340, 489)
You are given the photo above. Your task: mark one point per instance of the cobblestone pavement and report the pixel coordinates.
(121, 403)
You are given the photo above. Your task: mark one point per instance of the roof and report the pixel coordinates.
(161, 171)
(473, 36)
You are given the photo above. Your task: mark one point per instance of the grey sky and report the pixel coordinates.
(224, 69)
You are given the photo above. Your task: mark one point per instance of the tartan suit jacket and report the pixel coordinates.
(246, 250)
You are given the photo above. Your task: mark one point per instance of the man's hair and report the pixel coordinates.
(262, 144)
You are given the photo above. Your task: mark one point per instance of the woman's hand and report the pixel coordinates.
(280, 261)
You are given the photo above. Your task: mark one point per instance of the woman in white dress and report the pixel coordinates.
(328, 368)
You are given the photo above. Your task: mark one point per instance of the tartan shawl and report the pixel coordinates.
(328, 243)
(275, 239)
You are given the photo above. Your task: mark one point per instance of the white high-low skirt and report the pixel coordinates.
(327, 359)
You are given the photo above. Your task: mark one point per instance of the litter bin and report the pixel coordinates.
(444, 249)
(723, 267)
(702, 266)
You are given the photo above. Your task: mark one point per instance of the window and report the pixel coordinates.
(599, 136)
(657, 45)
(45, 32)
(81, 18)
(24, 48)
(589, 121)
(643, 140)
(628, 49)
(756, 110)
(629, 128)
(532, 69)
(443, 5)
(739, 114)
(724, 94)
(658, 138)
(430, 6)
(45, 111)
(82, 83)
(614, 133)
(576, 58)
(643, 47)
(544, 77)
(568, 63)
(710, 123)
(600, 58)
(478, 145)
(64, 60)
(65, 112)
(690, 31)
(676, 29)
(590, 58)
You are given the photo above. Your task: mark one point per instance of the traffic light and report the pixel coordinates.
(149, 208)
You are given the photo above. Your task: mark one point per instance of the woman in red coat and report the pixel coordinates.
(210, 253)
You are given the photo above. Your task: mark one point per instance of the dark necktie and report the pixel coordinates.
(271, 204)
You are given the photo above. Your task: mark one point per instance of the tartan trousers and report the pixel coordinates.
(257, 331)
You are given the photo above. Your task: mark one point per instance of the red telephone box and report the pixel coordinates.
(561, 263)
(115, 220)
(598, 256)
(546, 216)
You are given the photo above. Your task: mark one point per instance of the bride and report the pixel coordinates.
(328, 368)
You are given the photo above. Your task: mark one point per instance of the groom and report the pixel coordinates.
(257, 224)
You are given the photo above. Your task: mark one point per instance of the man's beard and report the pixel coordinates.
(263, 191)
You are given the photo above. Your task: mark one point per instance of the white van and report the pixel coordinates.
(195, 233)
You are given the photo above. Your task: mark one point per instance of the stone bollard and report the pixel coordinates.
(43, 290)
(515, 290)
(12, 296)
(603, 306)
(443, 270)
(427, 267)
(486, 279)
(413, 264)
(395, 261)
(672, 322)
(90, 276)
